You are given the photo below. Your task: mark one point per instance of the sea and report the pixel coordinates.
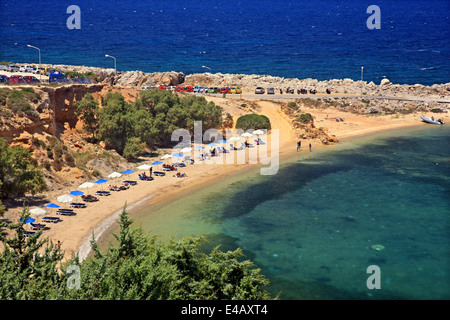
(320, 39)
(365, 219)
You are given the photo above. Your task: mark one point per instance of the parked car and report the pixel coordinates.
(31, 79)
(260, 90)
(37, 70)
(51, 71)
(224, 90)
(162, 87)
(3, 78)
(147, 87)
(3, 67)
(270, 90)
(198, 89)
(26, 68)
(178, 89)
(188, 89)
(213, 90)
(235, 90)
(57, 77)
(13, 68)
(16, 79)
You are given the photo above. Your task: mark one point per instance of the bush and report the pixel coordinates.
(253, 121)
(305, 118)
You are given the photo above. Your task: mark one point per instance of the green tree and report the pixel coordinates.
(18, 172)
(253, 121)
(28, 264)
(87, 110)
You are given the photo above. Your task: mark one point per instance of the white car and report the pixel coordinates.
(36, 70)
(259, 90)
(13, 68)
(26, 68)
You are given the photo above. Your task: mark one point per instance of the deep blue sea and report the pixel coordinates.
(315, 226)
(323, 39)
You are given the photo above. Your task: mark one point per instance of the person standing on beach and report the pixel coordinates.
(310, 147)
(151, 170)
(299, 145)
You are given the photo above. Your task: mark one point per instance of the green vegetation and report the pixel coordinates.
(137, 267)
(18, 172)
(87, 110)
(81, 75)
(305, 118)
(150, 121)
(18, 102)
(253, 121)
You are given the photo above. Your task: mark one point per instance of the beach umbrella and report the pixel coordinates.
(184, 150)
(51, 205)
(258, 132)
(166, 156)
(156, 163)
(247, 135)
(222, 141)
(234, 139)
(65, 198)
(178, 155)
(76, 193)
(128, 171)
(115, 175)
(101, 181)
(29, 220)
(199, 147)
(212, 144)
(86, 185)
(37, 211)
(144, 167)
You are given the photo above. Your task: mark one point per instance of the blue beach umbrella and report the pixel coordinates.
(199, 147)
(29, 220)
(222, 141)
(100, 181)
(178, 155)
(156, 163)
(52, 205)
(128, 171)
(212, 144)
(76, 193)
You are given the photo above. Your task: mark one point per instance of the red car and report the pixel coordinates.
(188, 89)
(162, 87)
(16, 79)
(178, 89)
(31, 79)
(225, 90)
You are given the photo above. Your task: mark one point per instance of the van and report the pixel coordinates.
(270, 90)
(57, 77)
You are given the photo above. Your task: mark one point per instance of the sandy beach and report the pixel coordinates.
(74, 232)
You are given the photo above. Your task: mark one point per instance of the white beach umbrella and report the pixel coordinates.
(258, 132)
(247, 135)
(144, 167)
(184, 150)
(37, 211)
(234, 139)
(64, 198)
(166, 156)
(114, 175)
(86, 185)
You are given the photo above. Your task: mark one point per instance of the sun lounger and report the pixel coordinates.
(179, 164)
(114, 188)
(89, 198)
(68, 210)
(102, 193)
(28, 233)
(130, 182)
(232, 147)
(37, 226)
(145, 178)
(260, 141)
(51, 219)
(159, 173)
(78, 205)
(66, 213)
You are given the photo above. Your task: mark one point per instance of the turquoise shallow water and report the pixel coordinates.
(311, 227)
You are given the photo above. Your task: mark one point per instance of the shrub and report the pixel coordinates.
(305, 118)
(253, 121)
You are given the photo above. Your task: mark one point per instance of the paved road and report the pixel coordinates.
(298, 96)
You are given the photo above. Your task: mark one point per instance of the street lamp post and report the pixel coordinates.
(362, 72)
(207, 68)
(115, 66)
(39, 68)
